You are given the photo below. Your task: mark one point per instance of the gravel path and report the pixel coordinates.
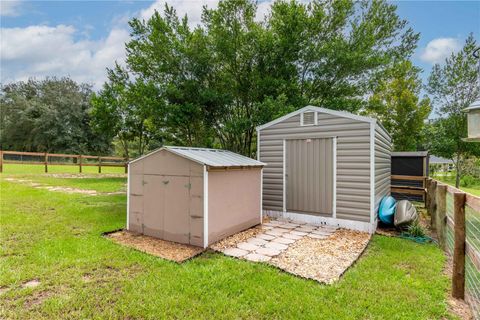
(318, 252)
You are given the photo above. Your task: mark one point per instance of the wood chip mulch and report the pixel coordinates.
(323, 260)
(233, 240)
(172, 251)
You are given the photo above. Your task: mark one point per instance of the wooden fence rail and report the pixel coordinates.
(459, 235)
(78, 160)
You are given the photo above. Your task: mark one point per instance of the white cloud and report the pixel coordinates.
(9, 7)
(193, 8)
(439, 49)
(41, 51)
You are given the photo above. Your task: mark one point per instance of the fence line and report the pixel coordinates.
(58, 159)
(456, 219)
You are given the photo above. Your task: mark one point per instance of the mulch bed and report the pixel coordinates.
(168, 250)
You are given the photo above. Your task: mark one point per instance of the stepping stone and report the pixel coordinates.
(268, 252)
(292, 236)
(268, 224)
(274, 233)
(266, 227)
(283, 240)
(235, 252)
(302, 229)
(322, 233)
(255, 257)
(247, 246)
(276, 222)
(258, 241)
(266, 236)
(288, 226)
(298, 233)
(276, 245)
(317, 236)
(281, 230)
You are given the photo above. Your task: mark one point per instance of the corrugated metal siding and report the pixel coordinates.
(309, 180)
(383, 149)
(353, 161)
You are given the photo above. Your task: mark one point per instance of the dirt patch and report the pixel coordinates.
(4, 290)
(324, 260)
(161, 248)
(31, 283)
(69, 190)
(460, 308)
(37, 298)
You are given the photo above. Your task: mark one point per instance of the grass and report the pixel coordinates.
(450, 180)
(56, 238)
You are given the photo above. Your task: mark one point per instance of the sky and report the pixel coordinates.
(81, 39)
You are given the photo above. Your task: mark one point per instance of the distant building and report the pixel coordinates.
(441, 164)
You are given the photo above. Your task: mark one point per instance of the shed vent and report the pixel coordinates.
(308, 118)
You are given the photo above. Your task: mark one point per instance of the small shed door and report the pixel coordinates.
(309, 175)
(166, 207)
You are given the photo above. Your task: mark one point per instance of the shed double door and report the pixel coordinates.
(309, 174)
(166, 207)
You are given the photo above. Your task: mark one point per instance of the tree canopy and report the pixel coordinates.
(212, 84)
(453, 86)
(50, 115)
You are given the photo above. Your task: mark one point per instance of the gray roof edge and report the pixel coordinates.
(410, 154)
(337, 113)
(173, 149)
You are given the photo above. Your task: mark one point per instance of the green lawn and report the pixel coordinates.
(56, 238)
(475, 189)
(38, 169)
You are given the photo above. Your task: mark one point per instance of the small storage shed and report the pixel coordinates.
(325, 166)
(193, 196)
(409, 172)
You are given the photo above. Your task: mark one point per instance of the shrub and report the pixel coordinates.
(467, 181)
(415, 230)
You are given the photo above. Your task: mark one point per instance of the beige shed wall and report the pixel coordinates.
(166, 198)
(233, 201)
(353, 161)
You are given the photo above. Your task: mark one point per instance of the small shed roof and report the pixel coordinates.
(410, 154)
(440, 160)
(211, 157)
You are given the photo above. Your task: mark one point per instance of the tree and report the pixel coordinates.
(453, 87)
(126, 110)
(395, 103)
(219, 80)
(50, 115)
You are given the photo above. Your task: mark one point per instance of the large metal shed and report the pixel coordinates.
(325, 166)
(193, 196)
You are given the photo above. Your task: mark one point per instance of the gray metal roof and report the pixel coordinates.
(215, 157)
(435, 159)
(410, 154)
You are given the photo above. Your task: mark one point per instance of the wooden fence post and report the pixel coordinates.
(458, 274)
(46, 162)
(427, 194)
(99, 164)
(441, 219)
(433, 205)
(80, 163)
(1, 161)
(126, 166)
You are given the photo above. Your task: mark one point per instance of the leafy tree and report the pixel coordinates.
(453, 87)
(396, 104)
(217, 81)
(126, 110)
(50, 115)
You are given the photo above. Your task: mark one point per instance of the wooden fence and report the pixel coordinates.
(455, 216)
(409, 187)
(57, 159)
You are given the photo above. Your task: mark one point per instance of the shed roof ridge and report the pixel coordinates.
(340, 113)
